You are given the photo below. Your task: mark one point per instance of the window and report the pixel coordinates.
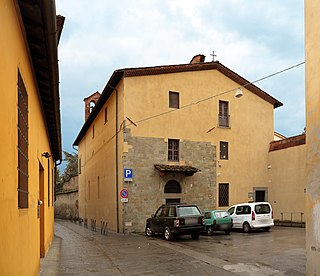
(98, 187)
(105, 115)
(79, 165)
(173, 150)
(243, 210)
(173, 99)
(223, 194)
(224, 117)
(172, 186)
(48, 182)
(23, 173)
(224, 155)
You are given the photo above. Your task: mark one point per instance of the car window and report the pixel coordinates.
(158, 213)
(262, 209)
(243, 210)
(207, 215)
(172, 212)
(221, 214)
(231, 210)
(188, 210)
(165, 212)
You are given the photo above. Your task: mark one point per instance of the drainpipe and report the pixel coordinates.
(117, 158)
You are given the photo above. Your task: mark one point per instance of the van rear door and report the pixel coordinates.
(263, 213)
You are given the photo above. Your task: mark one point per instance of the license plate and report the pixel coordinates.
(189, 221)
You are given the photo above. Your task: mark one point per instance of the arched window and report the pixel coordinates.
(172, 186)
(92, 105)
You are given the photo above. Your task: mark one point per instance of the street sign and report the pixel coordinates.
(127, 174)
(124, 193)
(124, 200)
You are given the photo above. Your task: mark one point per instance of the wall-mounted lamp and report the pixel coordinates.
(46, 154)
(238, 93)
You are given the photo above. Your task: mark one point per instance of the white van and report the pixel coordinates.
(252, 215)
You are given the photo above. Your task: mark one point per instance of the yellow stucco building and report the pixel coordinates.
(312, 31)
(184, 136)
(31, 136)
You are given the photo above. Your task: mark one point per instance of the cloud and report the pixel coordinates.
(253, 38)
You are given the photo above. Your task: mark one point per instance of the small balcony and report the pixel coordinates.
(224, 120)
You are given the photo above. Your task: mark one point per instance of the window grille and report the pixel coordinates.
(23, 173)
(173, 150)
(223, 194)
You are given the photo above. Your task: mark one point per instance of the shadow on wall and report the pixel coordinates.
(66, 205)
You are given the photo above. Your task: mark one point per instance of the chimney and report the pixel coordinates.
(89, 103)
(198, 59)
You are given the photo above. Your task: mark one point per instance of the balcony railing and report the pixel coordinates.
(224, 120)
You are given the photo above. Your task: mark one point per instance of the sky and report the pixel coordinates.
(254, 38)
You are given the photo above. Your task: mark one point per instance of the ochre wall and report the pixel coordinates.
(20, 228)
(312, 31)
(251, 120)
(287, 183)
(97, 156)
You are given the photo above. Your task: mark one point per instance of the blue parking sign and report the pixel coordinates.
(127, 174)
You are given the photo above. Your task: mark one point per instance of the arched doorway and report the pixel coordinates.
(172, 187)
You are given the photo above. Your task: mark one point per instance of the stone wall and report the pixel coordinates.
(66, 205)
(146, 191)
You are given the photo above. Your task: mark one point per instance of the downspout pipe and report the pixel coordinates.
(117, 157)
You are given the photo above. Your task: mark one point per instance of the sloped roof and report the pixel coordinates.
(288, 142)
(169, 69)
(40, 24)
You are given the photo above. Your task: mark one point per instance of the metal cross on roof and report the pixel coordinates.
(213, 55)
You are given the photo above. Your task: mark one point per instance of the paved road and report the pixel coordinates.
(79, 251)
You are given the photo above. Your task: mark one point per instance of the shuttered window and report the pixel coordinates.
(173, 99)
(224, 117)
(23, 172)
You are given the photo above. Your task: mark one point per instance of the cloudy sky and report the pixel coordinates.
(254, 38)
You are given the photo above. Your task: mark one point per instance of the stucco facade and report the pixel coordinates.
(287, 179)
(312, 31)
(30, 141)
(140, 124)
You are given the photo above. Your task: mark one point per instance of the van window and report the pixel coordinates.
(243, 210)
(262, 209)
(231, 210)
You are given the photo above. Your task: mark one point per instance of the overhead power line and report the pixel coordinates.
(202, 100)
(219, 94)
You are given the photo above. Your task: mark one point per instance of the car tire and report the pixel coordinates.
(227, 232)
(209, 231)
(149, 232)
(195, 235)
(167, 234)
(266, 229)
(246, 227)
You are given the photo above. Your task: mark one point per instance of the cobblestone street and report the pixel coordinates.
(78, 251)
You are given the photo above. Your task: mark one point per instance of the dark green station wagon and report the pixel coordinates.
(217, 220)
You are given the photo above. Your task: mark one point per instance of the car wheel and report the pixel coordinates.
(266, 229)
(195, 235)
(246, 227)
(209, 231)
(167, 234)
(149, 232)
(227, 232)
